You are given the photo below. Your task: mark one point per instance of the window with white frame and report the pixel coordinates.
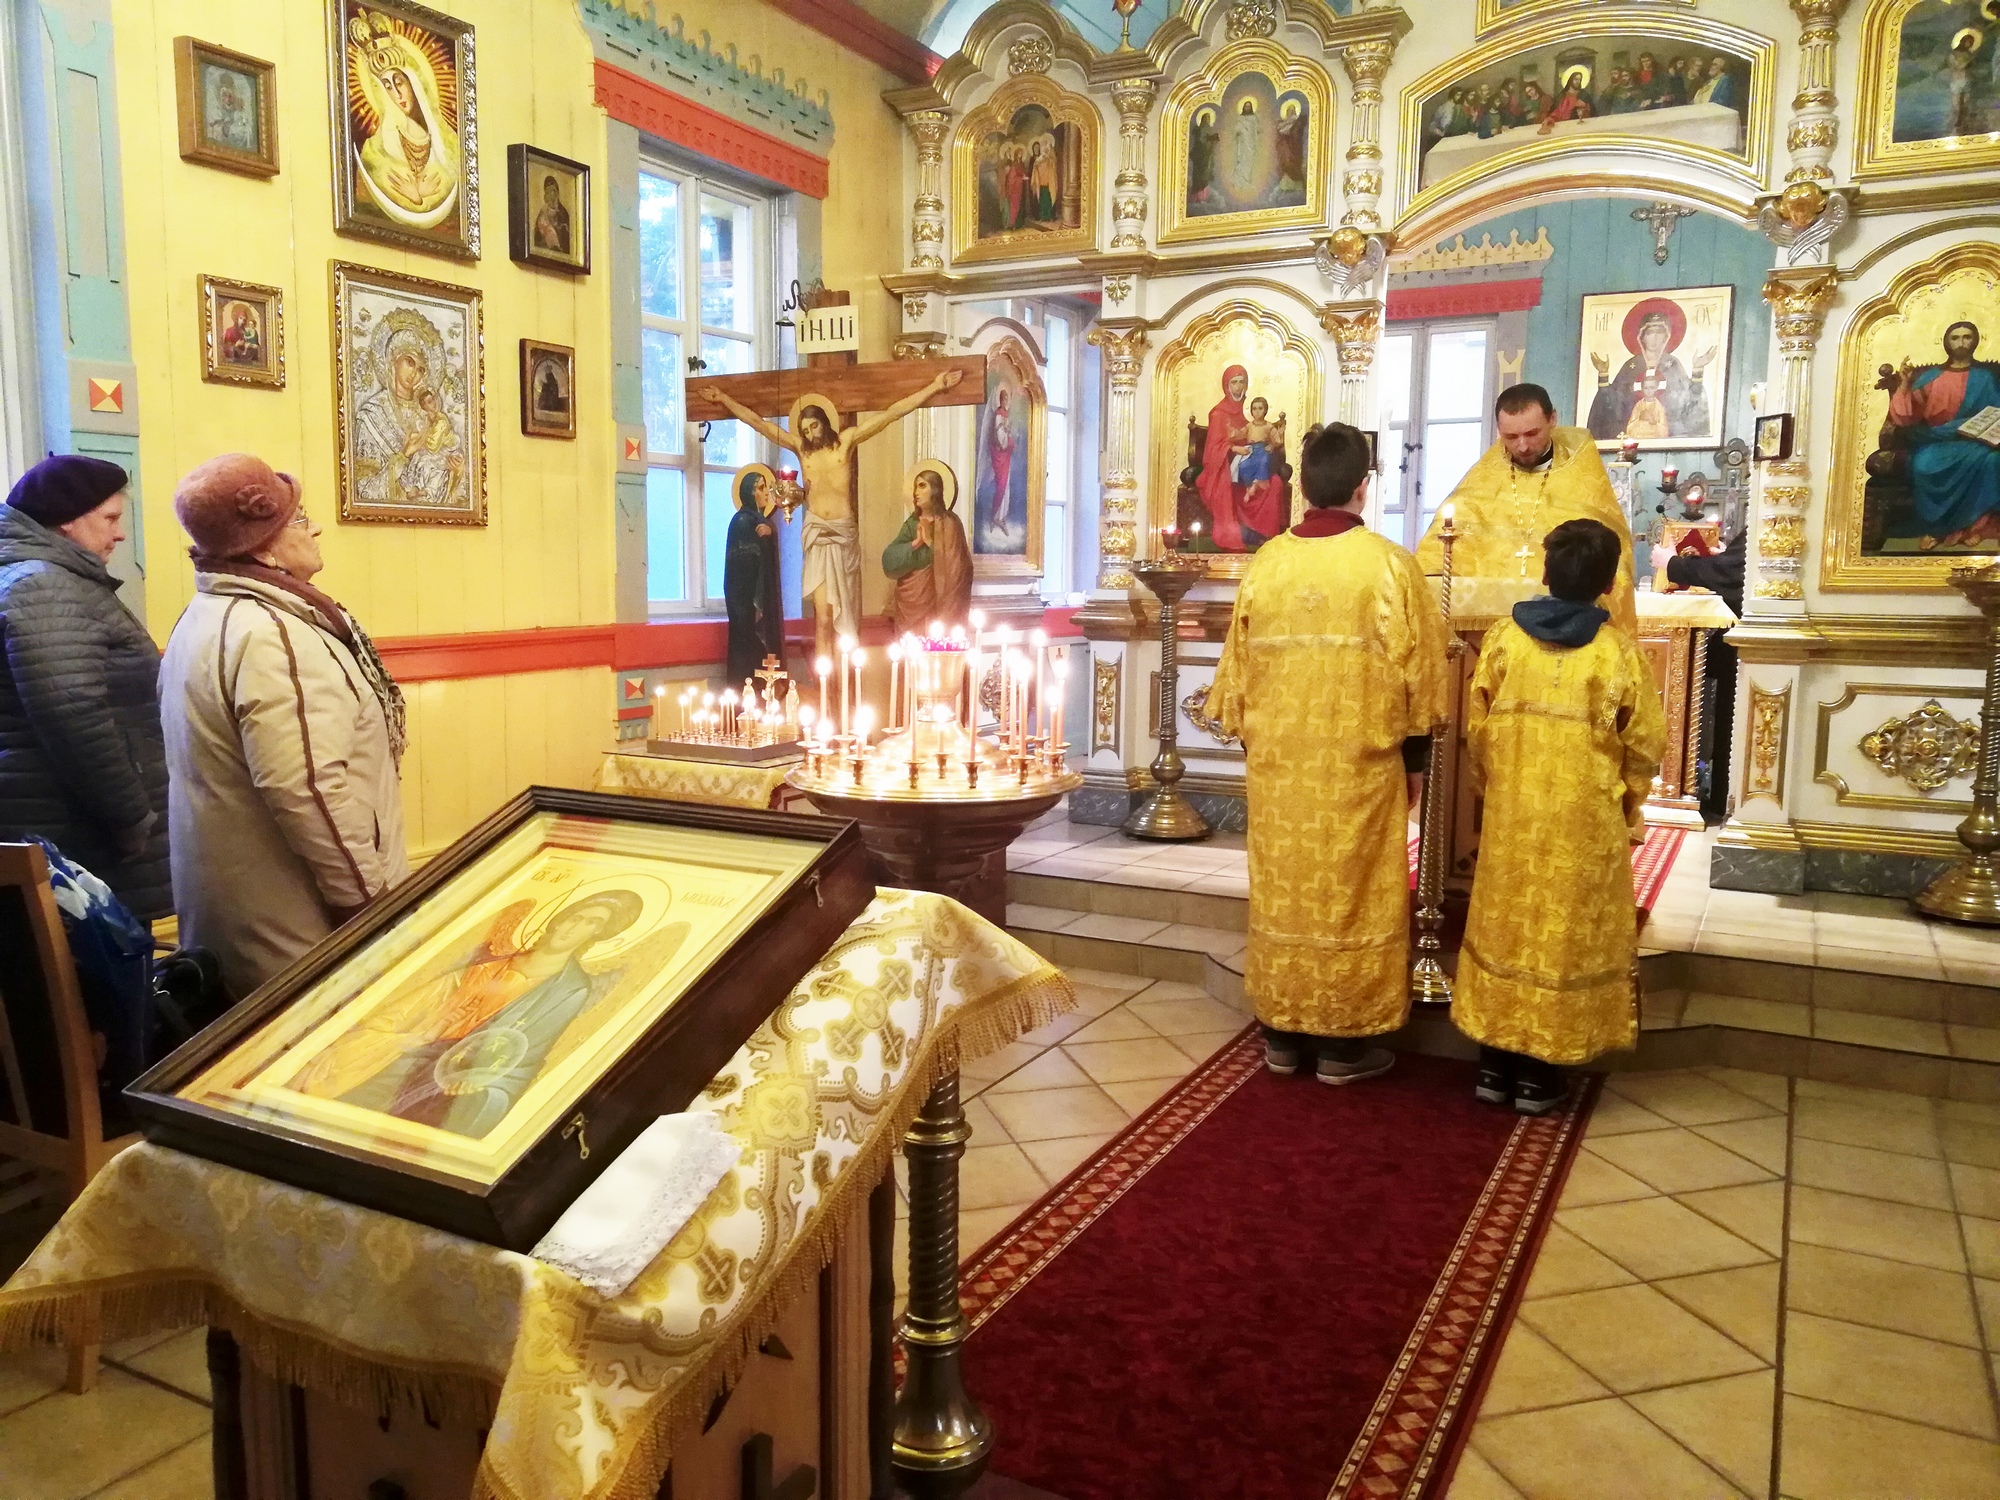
(1435, 406)
(1071, 402)
(704, 280)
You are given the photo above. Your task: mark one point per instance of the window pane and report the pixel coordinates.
(1058, 465)
(1450, 448)
(666, 428)
(725, 264)
(666, 537)
(716, 509)
(1389, 483)
(1455, 384)
(659, 246)
(728, 442)
(1394, 383)
(1057, 349)
(1055, 552)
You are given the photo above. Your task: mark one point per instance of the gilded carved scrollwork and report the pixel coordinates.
(1925, 748)
(1770, 721)
(1103, 705)
(1799, 298)
(1124, 350)
(1031, 54)
(1366, 64)
(1133, 98)
(1355, 328)
(1814, 127)
(1252, 18)
(928, 127)
(1193, 709)
(1781, 502)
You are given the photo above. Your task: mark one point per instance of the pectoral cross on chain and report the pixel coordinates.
(1523, 555)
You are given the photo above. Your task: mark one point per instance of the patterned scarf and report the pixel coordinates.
(337, 622)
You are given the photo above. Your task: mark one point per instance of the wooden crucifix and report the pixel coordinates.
(823, 401)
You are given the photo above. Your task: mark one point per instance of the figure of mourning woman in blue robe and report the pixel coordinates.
(1954, 478)
(750, 578)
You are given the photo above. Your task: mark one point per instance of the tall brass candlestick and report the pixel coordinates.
(1429, 984)
(1970, 890)
(1167, 814)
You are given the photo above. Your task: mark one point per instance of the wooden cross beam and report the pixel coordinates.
(852, 388)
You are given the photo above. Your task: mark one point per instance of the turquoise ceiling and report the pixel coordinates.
(1095, 19)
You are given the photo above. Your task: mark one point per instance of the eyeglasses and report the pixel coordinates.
(301, 519)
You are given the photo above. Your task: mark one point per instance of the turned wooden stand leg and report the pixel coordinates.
(942, 1438)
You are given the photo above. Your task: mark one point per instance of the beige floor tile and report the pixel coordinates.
(1633, 1338)
(976, 1226)
(1977, 1190)
(1121, 1062)
(187, 1473)
(1892, 1032)
(1052, 1070)
(1988, 1292)
(1979, 1042)
(1893, 1101)
(1904, 960)
(1911, 1133)
(1766, 947)
(1982, 1245)
(1056, 1159)
(1221, 885)
(1031, 918)
(1108, 979)
(1975, 1141)
(1185, 1017)
(1894, 1374)
(1880, 1293)
(1566, 1264)
(1969, 1110)
(1050, 1114)
(1766, 1141)
(1594, 1451)
(1200, 1046)
(1592, 1179)
(1726, 1422)
(1533, 1373)
(1476, 1479)
(1055, 1031)
(1094, 1000)
(1743, 1304)
(30, 1376)
(1120, 1025)
(1139, 1094)
(986, 1127)
(63, 1446)
(1678, 1161)
(1170, 989)
(1832, 1453)
(1868, 1173)
(992, 1175)
(1216, 940)
(980, 1071)
(1686, 1098)
(1751, 1015)
(1873, 1226)
(1656, 1237)
(1616, 1115)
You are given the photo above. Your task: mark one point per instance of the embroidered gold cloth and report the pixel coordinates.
(1564, 743)
(1335, 656)
(709, 782)
(584, 1395)
(1502, 514)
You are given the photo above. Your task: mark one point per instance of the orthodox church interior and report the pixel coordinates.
(797, 953)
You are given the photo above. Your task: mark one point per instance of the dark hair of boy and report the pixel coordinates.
(1518, 398)
(1581, 559)
(1333, 465)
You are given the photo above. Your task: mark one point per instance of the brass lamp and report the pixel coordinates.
(1970, 890)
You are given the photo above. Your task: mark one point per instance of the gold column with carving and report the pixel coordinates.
(1798, 299)
(1129, 200)
(1815, 126)
(1355, 328)
(1970, 890)
(1124, 347)
(1366, 63)
(929, 128)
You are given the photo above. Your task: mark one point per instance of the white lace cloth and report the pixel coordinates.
(625, 1218)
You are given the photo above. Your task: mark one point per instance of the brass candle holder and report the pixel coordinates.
(1970, 890)
(1429, 984)
(1166, 814)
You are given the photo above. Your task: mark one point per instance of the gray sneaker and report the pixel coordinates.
(1282, 1054)
(1372, 1064)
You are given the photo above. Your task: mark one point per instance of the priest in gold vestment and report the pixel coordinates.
(1333, 676)
(1534, 477)
(1563, 730)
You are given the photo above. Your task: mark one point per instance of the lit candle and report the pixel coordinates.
(659, 713)
(1195, 530)
(807, 718)
(1668, 476)
(895, 682)
(728, 711)
(824, 667)
(855, 660)
(1040, 641)
(1062, 682)
(846, 661)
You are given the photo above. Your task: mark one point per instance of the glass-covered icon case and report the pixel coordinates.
(472, 1052)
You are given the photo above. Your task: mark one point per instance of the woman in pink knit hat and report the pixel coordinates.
(283, 731)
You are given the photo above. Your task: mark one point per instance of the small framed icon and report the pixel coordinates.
(226, 106)
(242, 333)
(1774, 437)
(548, 390)
(548, 210)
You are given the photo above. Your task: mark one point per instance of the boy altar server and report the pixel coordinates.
(1564, 731)
(1333, 675)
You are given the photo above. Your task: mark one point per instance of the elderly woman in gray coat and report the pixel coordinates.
(81, 759)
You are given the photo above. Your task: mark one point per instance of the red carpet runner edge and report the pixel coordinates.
(1405, 1445)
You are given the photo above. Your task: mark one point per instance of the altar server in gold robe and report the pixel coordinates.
(1564, 732)
(1534, 477)
(1333, 675)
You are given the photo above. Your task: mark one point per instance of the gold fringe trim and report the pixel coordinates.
(981, 1028)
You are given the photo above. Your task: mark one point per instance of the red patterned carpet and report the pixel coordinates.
(1265, 1289)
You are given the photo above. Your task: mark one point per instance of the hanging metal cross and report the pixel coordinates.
(1661, 219)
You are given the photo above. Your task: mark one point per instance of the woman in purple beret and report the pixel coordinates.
(82, 762)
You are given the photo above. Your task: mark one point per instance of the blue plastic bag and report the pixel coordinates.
(113, 951)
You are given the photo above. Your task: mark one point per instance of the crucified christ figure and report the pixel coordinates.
(832, 533)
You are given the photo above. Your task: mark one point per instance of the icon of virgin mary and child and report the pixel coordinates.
(1241, 478)
(407, 158)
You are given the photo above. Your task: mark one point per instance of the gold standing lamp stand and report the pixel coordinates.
(1429, 984)
(1167, 815)
(1970, 890)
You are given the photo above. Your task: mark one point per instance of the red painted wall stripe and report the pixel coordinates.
(864, 35)
(1464, 300)
(643, 104)
(625, 648)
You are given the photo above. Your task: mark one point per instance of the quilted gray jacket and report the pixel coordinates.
(81, 756)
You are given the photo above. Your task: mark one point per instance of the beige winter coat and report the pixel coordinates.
(283, 801)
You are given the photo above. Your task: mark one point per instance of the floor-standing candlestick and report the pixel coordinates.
(1970, 890)
(1167, 814)
(1429, 984)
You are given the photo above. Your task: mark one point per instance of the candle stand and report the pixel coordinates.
(1167, 815)
(1970, 890)
(1429, 984)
